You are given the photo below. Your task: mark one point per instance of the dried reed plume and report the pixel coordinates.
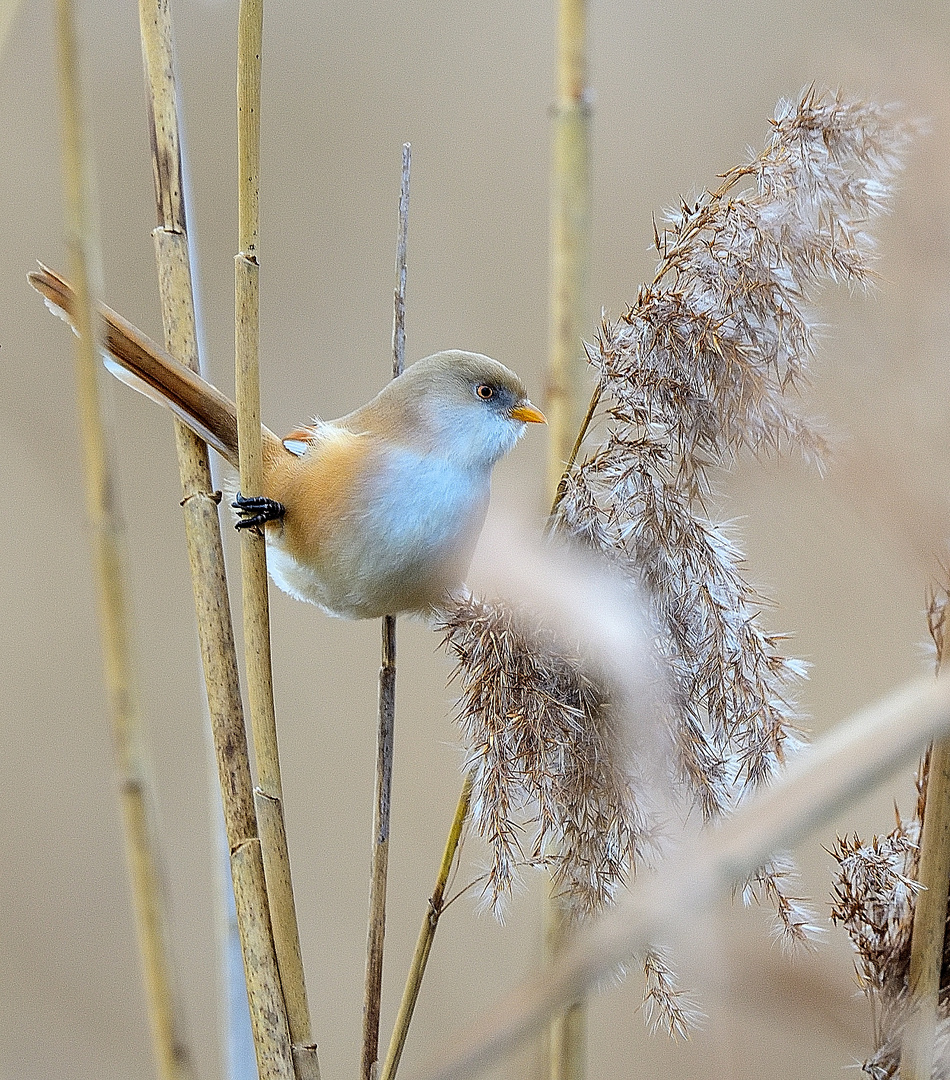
(664, 1004)
(874, 898)
(705, 364)
(544, 743)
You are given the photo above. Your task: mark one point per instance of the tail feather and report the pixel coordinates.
(148, 368)
(218, 439)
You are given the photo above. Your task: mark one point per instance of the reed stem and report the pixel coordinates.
(570, 247)
(930, 911)
(268, 795)
(570, 237)
(570, 227)
(420, 957)
(379, 866)
(171, 1054)
(216, 636)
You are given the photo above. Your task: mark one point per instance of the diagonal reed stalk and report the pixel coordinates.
(268, 796)
(216, 636)
(171, 1054)
(930, 909)
(570, 246)
(426, 935)
(379, 865)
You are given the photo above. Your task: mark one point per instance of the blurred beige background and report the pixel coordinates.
(680, 91)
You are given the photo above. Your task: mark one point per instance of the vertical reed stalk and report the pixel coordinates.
(930, 911)
(171, 1055)
(570, 237)
(426, 935)
(257, 648)
(215, 632)
(570, 245)
(379, 867)
(567, 1032)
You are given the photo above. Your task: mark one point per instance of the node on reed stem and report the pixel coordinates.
(216, 638)
(257, 652)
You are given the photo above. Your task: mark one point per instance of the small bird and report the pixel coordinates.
(376, 513)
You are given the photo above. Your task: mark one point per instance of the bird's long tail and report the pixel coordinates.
(148, 368)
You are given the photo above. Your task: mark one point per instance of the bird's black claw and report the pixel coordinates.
(256, 510)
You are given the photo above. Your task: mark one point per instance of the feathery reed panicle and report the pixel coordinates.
(877, 898)
(873, 899)
(551, 783)
(704, 365)
(665, 1005)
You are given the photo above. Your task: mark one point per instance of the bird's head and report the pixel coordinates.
(462, 406)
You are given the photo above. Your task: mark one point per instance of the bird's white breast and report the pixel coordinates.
(410, 540)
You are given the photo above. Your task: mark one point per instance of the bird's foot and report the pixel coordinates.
(256, 510)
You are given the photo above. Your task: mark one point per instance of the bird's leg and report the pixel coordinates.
(256, 510)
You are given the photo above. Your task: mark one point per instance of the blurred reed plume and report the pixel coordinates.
(705, 364)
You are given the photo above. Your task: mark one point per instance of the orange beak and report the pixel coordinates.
(527, 414)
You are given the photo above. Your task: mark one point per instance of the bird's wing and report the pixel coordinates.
(319, 433)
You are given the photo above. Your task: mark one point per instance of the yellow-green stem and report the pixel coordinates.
(930, 913)
(426, 935)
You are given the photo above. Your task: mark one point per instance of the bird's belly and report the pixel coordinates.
(407, 545)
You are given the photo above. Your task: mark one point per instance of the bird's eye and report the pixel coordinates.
(485, 392)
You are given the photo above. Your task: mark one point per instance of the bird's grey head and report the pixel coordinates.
(465, 406)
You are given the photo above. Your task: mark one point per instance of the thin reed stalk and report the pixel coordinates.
(268, 795)
(930, 908)
(216, 636)
(430, 923)
(379, 864)
(570, 247)
(171, 1054)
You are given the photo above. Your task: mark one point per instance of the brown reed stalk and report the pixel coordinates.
(268, 796)
(171, 1053)
(840, 767)
(420, 956)
(570, 247)
(216, 636)
(930, 908)
(379, 863)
